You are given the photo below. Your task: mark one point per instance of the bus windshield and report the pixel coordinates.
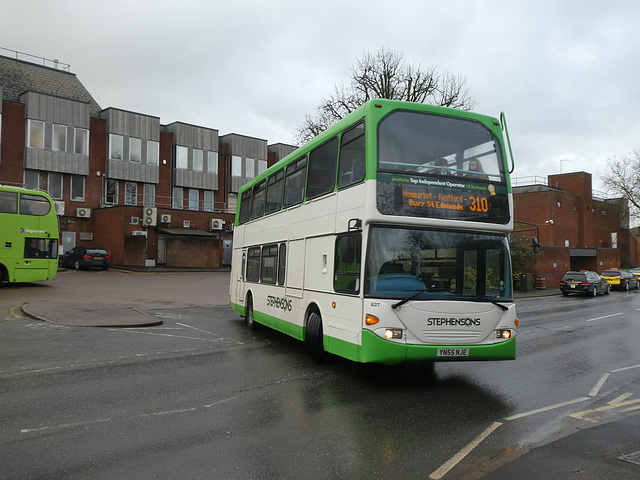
(435, 264)
(421, 143)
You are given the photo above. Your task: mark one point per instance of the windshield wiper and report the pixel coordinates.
(410, 297)
(480, 298)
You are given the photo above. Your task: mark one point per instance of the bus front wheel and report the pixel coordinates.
(314, 339)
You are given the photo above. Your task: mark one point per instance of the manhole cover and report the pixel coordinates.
(631, 458)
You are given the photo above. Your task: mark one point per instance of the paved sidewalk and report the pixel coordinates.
(117, 298)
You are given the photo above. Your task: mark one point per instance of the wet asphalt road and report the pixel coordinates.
(199, 396)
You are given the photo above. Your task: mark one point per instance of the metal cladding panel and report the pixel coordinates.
(131, 124)
(247, 147)
(136, 172)
(235, 183)
(281, 150)
(193, 136)
(37, 159)
(191, 179)
(56, 110)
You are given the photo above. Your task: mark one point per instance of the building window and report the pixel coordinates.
(198, 160)
(112, 191)
(77, 188)
(236, 166)
(36, 134)
(177, 200)
(115, 146)
(182, 157)
(614, 239)
(32, 179)
(212, 162)
(153, 152)
(262, 166)
(208, 200)
(604, 213)
(59, 138)
(130, 193)
(81, 146)
(135, 150)
(194, 195)
(55, 185)
(149, 199)
(251, 168)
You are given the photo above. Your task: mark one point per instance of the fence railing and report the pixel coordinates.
(46, 62)
(167, 202)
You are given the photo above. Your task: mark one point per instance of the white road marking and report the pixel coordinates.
(546, 409)
(594, 391)
(606, 316)
(453, 461)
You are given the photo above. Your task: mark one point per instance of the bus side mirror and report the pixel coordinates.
(535, 245)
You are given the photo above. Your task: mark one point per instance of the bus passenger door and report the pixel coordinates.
(240, 279)
(295, 268)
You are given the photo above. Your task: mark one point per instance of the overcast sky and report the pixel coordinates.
(564, 72)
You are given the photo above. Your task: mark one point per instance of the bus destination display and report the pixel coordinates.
(438, 198)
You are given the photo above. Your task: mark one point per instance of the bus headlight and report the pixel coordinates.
(504, 334)
(390, 333)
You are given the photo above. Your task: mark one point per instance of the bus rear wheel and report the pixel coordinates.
(314, 339)
(249, 318)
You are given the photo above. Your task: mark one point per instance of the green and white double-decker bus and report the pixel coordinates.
(28, 235)
(385, 239)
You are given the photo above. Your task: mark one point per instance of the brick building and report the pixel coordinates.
(152, 194)
(576, 229)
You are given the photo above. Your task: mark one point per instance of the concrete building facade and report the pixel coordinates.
(150, 193)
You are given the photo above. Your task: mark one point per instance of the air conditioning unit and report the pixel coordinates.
(135, 221)
(149, 216)
(186, 224)
(165, 218)
(83, 213)
(59, 208)
(216, 224)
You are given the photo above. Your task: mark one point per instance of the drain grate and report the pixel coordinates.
(631, 458)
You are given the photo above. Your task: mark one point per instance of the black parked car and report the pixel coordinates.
(584, 283)
(622, 279)
(86, 257)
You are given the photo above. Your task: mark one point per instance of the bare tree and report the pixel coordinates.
(624, 179)
(386, 74)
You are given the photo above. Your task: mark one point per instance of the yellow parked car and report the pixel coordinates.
(622, 279)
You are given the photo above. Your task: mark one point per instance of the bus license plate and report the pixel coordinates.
(453, 352)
